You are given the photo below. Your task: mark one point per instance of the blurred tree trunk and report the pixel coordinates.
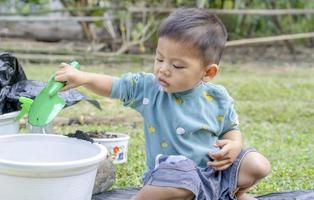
(278, 26)
(222, 4)
(85, 25)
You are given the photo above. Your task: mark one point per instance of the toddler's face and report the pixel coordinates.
(177, 66)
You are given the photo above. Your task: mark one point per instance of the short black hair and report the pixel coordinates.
(199, 28)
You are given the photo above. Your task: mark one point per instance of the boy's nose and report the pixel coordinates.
(164, 68)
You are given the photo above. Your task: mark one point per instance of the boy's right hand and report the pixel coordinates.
(70, 75)
(229, 150)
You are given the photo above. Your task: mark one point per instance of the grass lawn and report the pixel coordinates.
(276, 110)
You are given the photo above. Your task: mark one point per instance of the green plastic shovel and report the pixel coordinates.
(47, 104)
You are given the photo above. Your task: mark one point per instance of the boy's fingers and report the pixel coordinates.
(66, 87)
(63, 65)
(221, 143)
(61, 70)
(218, 165)
(59, 77)
(223, 167)
(218, 155)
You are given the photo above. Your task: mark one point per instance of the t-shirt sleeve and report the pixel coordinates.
(129, 89)
(228, 115)
(231, 121)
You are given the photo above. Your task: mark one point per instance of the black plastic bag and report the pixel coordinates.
(31, 88)
(11, 72)
(13, 84)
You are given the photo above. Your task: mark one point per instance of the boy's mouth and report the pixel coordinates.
(163, 82)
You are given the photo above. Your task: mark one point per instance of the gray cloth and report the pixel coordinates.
(128, 193)
(205, 183)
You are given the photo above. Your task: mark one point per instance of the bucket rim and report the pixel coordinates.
(124, 137)
(48, 166)
(9, 115)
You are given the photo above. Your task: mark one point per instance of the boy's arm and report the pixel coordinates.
(98, 83)
(235, 136)
(230, 146)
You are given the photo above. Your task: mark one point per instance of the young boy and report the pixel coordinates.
(193, 143)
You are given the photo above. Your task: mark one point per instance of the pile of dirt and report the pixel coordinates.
(101, 134)
(89, 135)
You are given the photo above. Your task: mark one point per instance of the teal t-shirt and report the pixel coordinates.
(186, 123)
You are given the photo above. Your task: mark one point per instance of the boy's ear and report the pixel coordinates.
(211, 72)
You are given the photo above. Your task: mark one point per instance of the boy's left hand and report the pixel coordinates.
(229, 150)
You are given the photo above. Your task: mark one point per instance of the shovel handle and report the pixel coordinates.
(25, 105)
(56, 86)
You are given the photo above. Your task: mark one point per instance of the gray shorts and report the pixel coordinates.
(205, 183)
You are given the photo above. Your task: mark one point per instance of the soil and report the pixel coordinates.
(91, 134)
(101, 134)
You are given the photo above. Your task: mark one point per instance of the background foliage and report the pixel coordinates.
(133, 30)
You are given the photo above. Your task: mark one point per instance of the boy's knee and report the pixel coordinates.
(258, 165)
(254, 167)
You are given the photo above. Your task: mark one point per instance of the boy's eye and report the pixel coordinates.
(159, 60)
(177, 67)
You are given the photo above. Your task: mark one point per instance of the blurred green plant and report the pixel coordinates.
(131, 26)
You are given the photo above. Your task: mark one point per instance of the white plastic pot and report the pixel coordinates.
(47, 167)
(117, 147)
(8, 124)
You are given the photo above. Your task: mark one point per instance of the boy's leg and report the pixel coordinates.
(163, 193)
(174, 177)
(253, 167)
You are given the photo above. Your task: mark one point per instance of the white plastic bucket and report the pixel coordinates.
(47, 167)
(8, 124)
(117, 147)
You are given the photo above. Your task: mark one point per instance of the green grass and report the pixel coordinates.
(276, 110)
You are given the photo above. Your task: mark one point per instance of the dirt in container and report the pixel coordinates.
(89, 135)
